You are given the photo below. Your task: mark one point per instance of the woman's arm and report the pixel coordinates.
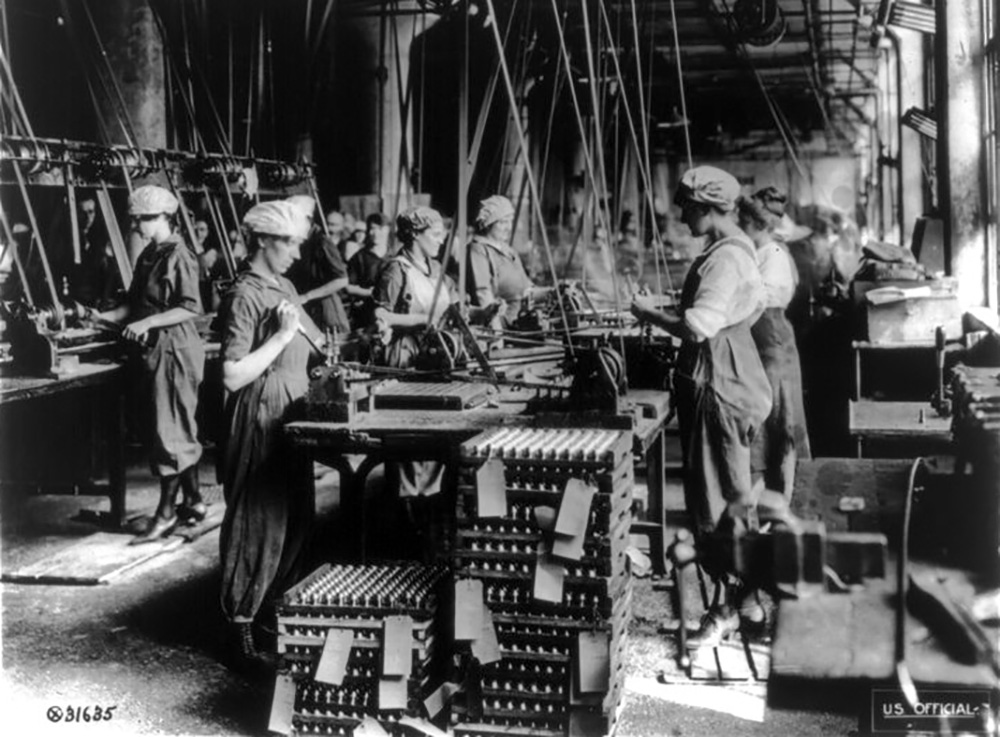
(642, 308)
(331, 287)
(239, 373)
(395, 320)
(118, 314)
(355, 291)
(174, 316)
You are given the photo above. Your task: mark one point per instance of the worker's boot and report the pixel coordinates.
(720, 621)
(165, 520)
(193, 509)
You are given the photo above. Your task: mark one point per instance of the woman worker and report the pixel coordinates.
(783, 437)
(495, 271)
(268, 512)
(163, 300)
(321, 275)
(722, 392)
(410, 296)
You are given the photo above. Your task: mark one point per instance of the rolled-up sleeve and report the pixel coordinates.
(777, 275)
(389, 286)
(184, 276)
(730, 292)
(239, 324)
(480, 276)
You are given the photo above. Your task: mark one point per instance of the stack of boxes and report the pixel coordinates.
(543, 591)
(356, 642)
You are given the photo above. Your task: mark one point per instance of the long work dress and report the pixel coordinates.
(404, 288)
(269, 511)
(722, 391)
(784, 430)
(172, 367)
(496, 272)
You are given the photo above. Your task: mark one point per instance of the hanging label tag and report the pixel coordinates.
(549, 575)
(593, 662)
(282, 705)
(369, 727)
(439, 697)
(585, 723)
(397, 643)
(491, 489)
(486, 648)
(392, 693)
(574, 510)
(545, 518)
(422, 726)
(332, 665)
(468, 609)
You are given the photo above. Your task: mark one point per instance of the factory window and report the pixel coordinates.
(991, 141)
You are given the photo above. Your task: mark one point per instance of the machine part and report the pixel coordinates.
(598, 380)
(454, 314)
(902, 583)
(951, 622)
(448, 395)
(439, 351)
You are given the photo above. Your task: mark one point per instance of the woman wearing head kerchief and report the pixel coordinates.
(410, 296)
(495, 271)
(783, 437)
(720, 386)
(321, 274)
(268, 508)
(163, 300)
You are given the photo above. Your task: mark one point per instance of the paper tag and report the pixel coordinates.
(440, 696)
(468, 609)
(369, 727)
(574, 511)
(585, 723)
(486, 648)
(332, 664)
(545, 518)
(422, 725)
(549, 575)
(397, 643)
(491, 489)
(392, 693)
(593, 661)
(282, 705)
(571, 548)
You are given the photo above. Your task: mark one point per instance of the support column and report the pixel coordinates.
(911, 63)
(135, 52)
(961, 176)
(380, 55)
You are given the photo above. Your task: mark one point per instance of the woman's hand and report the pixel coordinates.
(642, 307)
(137, 330)
(288, 319)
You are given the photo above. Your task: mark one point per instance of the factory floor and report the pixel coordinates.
(151, 644)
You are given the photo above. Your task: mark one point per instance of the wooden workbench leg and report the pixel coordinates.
(656, 483)
(116, 455)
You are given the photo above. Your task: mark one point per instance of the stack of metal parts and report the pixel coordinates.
(442, 395)
(535, 686)
(359, 599)
(976, 430)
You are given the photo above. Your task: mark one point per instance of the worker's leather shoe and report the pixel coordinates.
(191, 514)
(716, 626)
(158, 529)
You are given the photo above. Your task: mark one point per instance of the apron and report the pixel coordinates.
(784, 430)
(416, 478)
(722, 397)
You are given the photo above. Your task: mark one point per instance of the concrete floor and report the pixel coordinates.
(151, 644)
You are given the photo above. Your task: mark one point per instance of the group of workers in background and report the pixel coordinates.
(737, 379)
